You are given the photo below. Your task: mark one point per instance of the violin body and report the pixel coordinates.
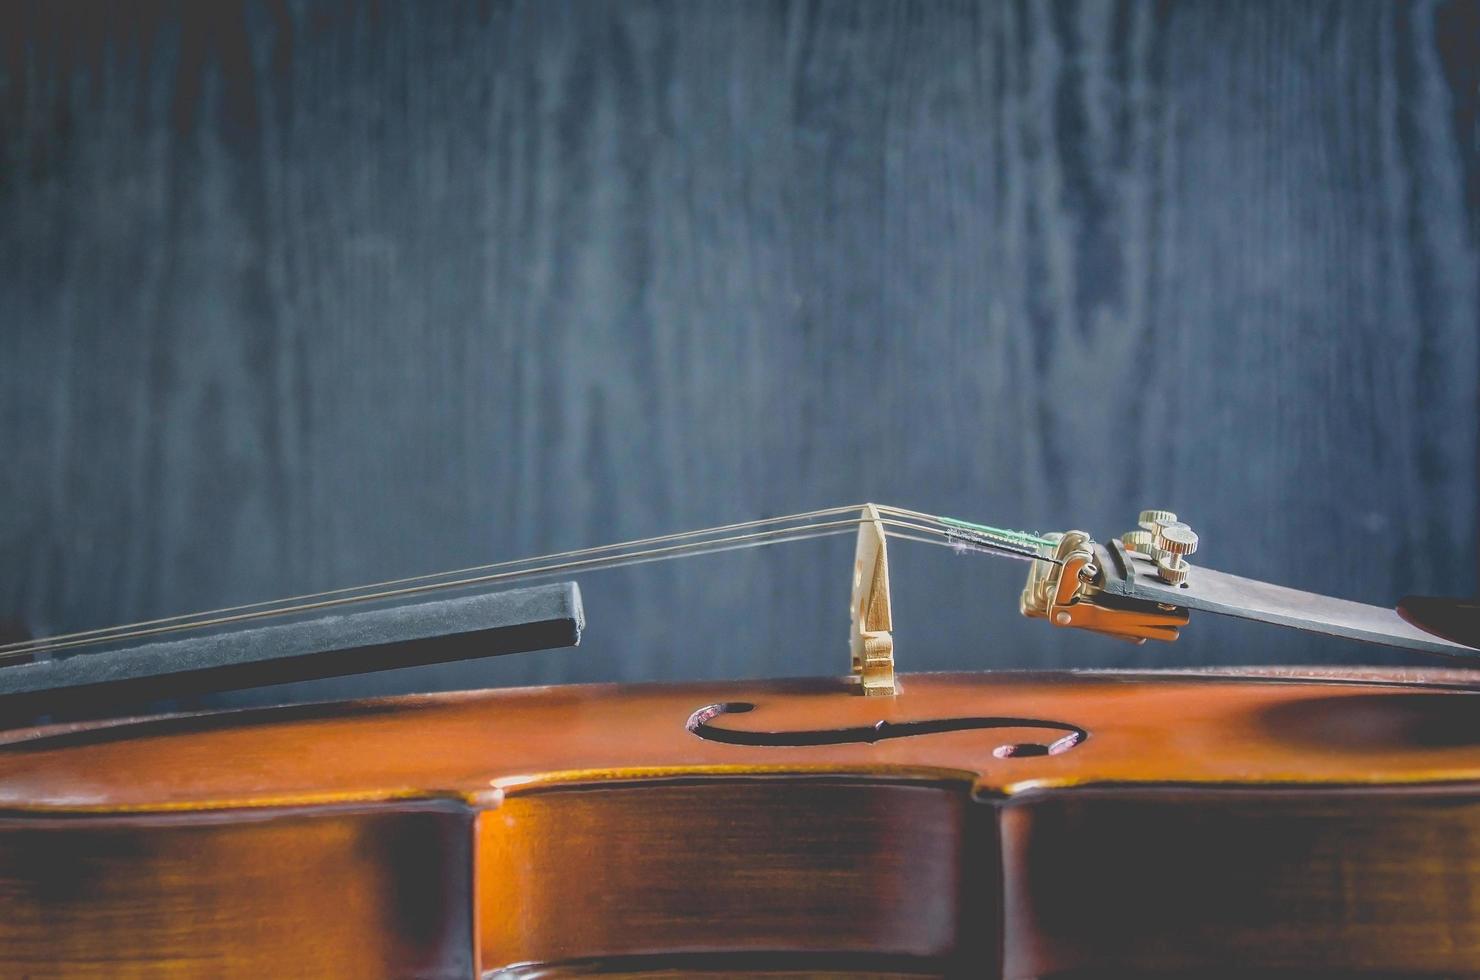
(999, 824)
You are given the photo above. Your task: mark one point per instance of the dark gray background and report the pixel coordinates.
(299, 295)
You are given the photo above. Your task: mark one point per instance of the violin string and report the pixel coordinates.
(108, 632)
(927, 528)
(428, 583)
(1017, 539)
(597, 563)
(592, 561)
(753, 539)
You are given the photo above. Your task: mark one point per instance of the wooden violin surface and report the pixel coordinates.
(979, 825)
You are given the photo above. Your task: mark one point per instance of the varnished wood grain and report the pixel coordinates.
(302, 294)
(478, 748)
(828, 871)
(308, 893)
(1204, 823)
(1345, 883)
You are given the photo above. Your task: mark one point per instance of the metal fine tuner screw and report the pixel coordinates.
(1149, 521)
(1137, 541)
(1174, 542)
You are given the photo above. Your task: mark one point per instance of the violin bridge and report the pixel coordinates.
(870, 640)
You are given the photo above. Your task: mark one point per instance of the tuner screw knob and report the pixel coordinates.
(1173, 542)
(1176, 538)
(1137, 541)
(1149, 521)
(1150, 518)
(1169, 573)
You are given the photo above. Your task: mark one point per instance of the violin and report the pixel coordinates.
(1173, 823)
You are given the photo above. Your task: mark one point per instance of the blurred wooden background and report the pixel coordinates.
(300, 295)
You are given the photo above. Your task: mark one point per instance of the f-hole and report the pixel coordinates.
(701, 724)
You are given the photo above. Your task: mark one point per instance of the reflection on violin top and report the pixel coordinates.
(1142, 729)
(1375, 723)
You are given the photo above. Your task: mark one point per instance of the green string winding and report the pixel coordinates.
(1016, 539)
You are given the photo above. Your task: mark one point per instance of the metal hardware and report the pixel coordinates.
(1071, 593)
(1151, 521)
(1137, 541)
(870, 642)
(1172, 570)
(1174, 540)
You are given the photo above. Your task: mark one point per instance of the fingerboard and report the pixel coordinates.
(83, 682)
